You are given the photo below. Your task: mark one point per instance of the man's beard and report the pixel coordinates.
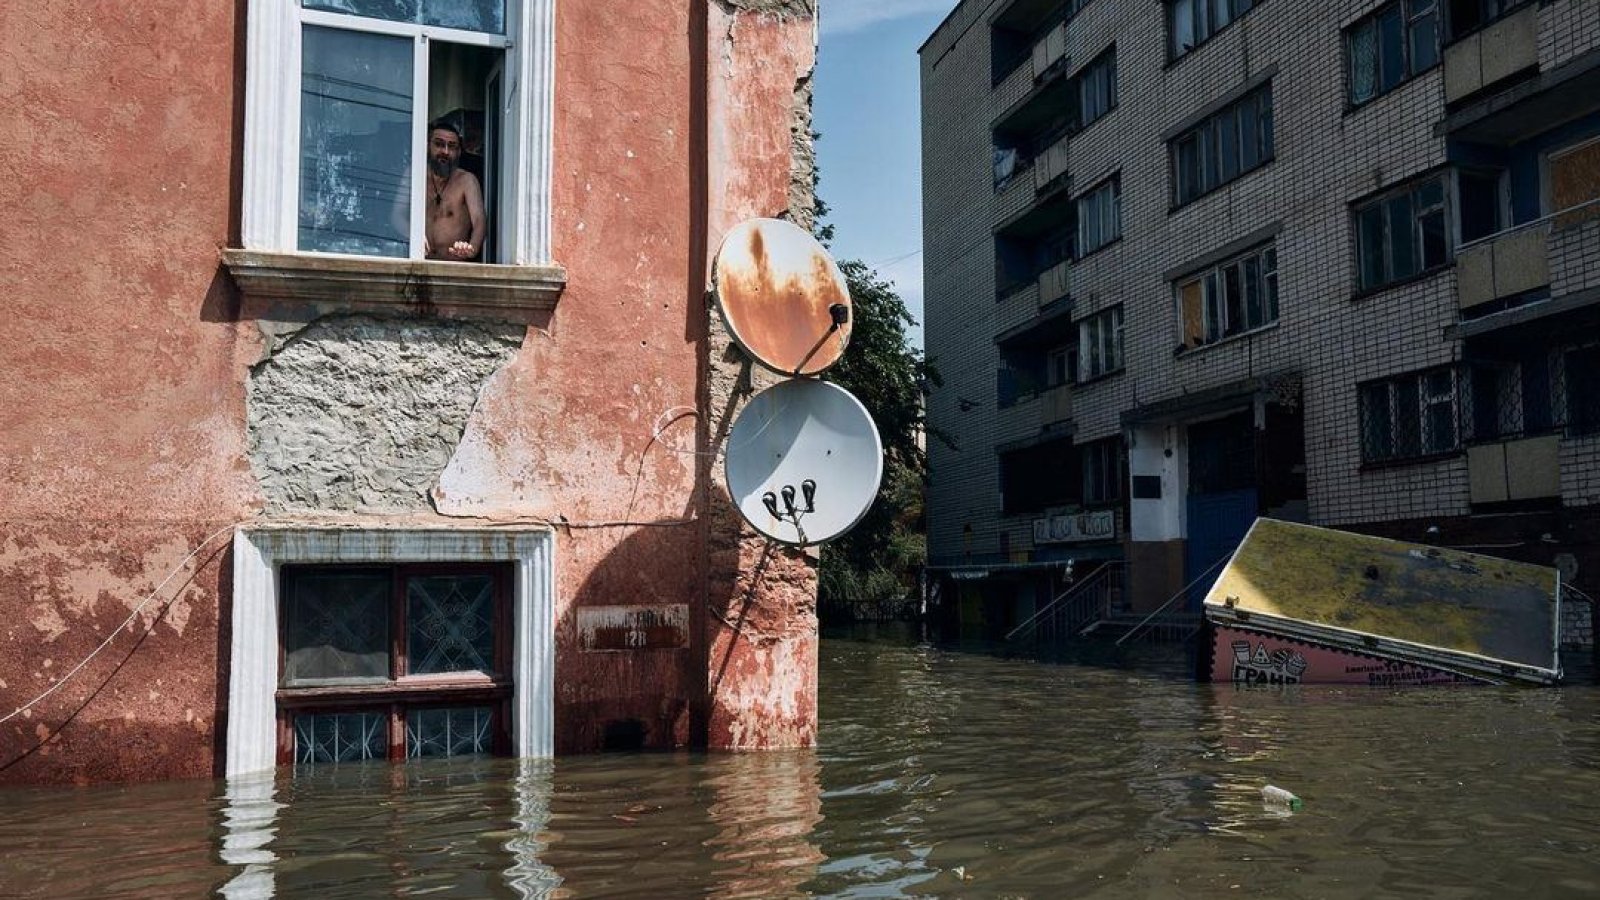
(443, 168)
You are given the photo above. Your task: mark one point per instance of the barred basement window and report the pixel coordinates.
(1402, 233)
(1391, 46)
(1409, 417)
(394, 662)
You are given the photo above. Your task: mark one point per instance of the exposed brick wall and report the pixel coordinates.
(1567, 29)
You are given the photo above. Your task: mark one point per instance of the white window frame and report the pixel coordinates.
(259, 555)
(1098, 334)
(1101, 206)
(271, 197)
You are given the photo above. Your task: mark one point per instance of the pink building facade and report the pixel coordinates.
(288, 492)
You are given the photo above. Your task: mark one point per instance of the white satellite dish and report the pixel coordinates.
(804, 461)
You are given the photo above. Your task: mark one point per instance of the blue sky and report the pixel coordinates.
(867, 107)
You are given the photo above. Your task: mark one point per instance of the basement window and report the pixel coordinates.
(394, 662)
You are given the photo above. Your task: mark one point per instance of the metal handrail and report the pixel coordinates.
(1182, 592)
(1525, 226)
(1072, 591)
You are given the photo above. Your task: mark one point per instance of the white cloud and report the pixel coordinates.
(846, 16)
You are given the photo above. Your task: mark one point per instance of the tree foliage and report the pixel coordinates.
(878, 559)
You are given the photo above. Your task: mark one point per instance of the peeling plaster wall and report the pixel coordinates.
(358, 414)
(141, 418)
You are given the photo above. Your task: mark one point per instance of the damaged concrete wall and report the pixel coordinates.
(362, 414)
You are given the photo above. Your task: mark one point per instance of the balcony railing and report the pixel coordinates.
(1488, 56)
(1053, 283)
(1050, 49)
(1055, 407)
(1513, 261)
(1050, 165)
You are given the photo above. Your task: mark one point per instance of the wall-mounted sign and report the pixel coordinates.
(969, 574)
(1100, 525)
(623, 628)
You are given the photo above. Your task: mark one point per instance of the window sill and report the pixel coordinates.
(1380, 465)
(408, 689)
(1424, 275)
(428, 286)
(1351, 108)
(1103, 376)
(1184, 351)
(1178, 206)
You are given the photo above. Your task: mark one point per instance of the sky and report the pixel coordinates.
(867, 107)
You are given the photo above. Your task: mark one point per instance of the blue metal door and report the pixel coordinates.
(1217, 523)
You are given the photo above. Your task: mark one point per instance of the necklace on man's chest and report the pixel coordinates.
(438, 192)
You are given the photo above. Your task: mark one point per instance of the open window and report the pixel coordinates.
(340, 97)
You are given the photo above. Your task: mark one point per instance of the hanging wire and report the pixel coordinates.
(118, 630)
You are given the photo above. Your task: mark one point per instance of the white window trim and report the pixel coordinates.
(272, 124)
(260, 553)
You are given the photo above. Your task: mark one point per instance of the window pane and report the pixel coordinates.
(1228, 143)
(1391, 49)
(471, 15)
(1214, 305)
(1108, 341)
(1213, 143)
(1363, 63)
(1402, 237)
(1235, 299)
(1424, 42)
(1182, 25)
(1188, 168)
(1408, 419)
(1377, 434)
(355, 143)
(1265, 100)
(336, 625)
(1269, 281)
(1191, 308)
(460, 731)
(1250, 134)
(1221, 14)
(1435, 249)
(450, 624)
(340, 737)
(1369, 242)
(1253, 313)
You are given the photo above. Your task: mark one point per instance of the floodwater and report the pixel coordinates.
(942, 773)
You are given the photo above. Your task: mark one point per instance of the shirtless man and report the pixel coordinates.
(455, 222)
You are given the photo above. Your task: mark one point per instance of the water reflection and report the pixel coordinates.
(941, 774)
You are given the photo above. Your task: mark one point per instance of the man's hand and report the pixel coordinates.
(462, 250)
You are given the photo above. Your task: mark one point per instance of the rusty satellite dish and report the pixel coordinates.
(782, 297)
(804, 461)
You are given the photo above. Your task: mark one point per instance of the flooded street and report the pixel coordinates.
(940, 774)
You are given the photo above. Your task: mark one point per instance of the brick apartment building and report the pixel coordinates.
(1193, 261)
(278, 488)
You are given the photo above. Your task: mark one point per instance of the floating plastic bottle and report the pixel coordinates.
(1280, 798)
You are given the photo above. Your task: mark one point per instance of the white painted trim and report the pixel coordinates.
(272, 121)
(253, 674)
(348, 22)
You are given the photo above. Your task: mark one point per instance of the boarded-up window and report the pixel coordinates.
(1574, 181)
(1194, 329)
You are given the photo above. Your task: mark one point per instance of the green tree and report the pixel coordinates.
(878, 559)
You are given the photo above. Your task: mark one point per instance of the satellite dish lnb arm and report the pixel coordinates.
(839, 314)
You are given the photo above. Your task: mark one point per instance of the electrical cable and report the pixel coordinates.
(118, 630)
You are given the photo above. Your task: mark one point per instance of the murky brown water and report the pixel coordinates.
(941, 774)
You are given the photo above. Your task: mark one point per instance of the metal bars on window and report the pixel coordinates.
(1542, 391)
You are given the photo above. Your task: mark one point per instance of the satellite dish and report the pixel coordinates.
(782, 297)
(804, 461)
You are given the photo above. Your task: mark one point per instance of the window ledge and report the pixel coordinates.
(1102, 377)
(1408, 281)
(1185, 351)
(400, 284)
(1404, 461)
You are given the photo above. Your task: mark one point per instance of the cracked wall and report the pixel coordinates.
(362, 414)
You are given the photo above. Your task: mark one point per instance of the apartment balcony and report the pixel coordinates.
(1492, 54)
(1014, 86)
(1015, 195)
(1050, 51)
(1509, 264)
(1515, 470)
(1529, 106)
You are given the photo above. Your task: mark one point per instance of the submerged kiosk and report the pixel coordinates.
(1301, 604)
